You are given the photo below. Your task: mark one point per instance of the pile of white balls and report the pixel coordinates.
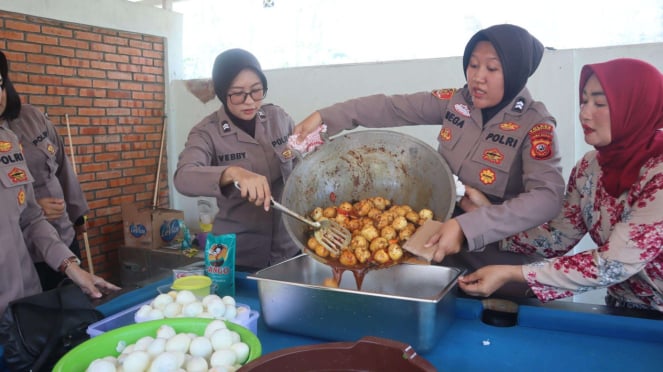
(177, 304)
(219, 349)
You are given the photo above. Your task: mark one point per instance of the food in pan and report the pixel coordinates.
(378, 229)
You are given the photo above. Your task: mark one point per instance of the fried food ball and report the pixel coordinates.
(347, 258)
(411, 227)
(341, 218)
(399, 223)
(364, 206)
(412, 216)
(388, 233)
(362, 254)
(398, 210)
(385, 219)
(425, 214)
(381, 203)
(311, 243)
(316, 215)
(395, 252)
(365, 221)
(381, 256)
(353, 224)
(358, 242)
(329, 212)
(345, 208)
(369, 232)
(405, 234)
(378, 243)
(373, 213)
(330, 283)
(321, 251)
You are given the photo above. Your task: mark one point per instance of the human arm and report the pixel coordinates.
(486, 280)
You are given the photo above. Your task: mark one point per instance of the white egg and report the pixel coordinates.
(221, 339)
(143, 343)
(128, 349)
(196, 364)
(209, 298)
(165, 331)
(231, 312)
(172, 310)
(120, 346)
(224, 357)
(213, 326)
(216, 308)
(161, 301)
(241, 351)
(185, 297)
(192, 309)
(142, 314)
(164, 362)
(101, 365)
(179, 342)
(157, 347)
(155, 314)
(205, 315)
(138, 361)
(229, 300)
(235, 337)
(201, 347)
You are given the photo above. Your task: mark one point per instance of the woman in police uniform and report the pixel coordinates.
(494, 137)
(243, 142)
(55, 184)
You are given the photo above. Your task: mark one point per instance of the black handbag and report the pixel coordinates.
(36, 331)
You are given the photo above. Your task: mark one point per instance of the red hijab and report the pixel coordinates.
(634, 90)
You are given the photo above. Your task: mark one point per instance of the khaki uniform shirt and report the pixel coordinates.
(217, 143)
(514, 158)
(53, 173)
(24, 230)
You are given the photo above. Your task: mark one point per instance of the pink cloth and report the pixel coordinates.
(310, 143)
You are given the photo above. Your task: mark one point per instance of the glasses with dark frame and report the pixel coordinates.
(257, 94)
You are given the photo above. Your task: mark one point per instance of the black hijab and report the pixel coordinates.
(520, 54)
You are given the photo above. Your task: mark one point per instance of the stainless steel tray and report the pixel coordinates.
(410, 303)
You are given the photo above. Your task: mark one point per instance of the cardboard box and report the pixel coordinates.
(152, 228)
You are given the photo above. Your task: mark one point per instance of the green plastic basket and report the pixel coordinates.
(80, 357)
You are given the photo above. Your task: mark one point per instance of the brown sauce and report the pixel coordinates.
(358, 273)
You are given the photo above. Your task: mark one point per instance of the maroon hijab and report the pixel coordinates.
(634, 90)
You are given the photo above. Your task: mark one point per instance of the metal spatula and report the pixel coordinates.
(329, 233)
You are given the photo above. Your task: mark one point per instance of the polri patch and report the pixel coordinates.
(462, 109)
(5, 146)
(509, 127)
(287, 154)
(445, 134)
(21, 197)
(51, 149)
(487, 176)
(541, 138)
(444, 94)
(225, 126)
(519, 105)
(493, 155)
(17, 175)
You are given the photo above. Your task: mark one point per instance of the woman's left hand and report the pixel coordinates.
(92, 285)
(473, 199)
(447, 240)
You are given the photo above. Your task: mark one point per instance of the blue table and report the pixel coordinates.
(546, 338)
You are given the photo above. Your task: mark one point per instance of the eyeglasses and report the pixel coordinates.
(240, 97)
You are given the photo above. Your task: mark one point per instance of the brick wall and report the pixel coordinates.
(110, 84)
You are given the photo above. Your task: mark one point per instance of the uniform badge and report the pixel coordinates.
(493, 155)
(487, 176)
(5, 146)
(509, 126)
(225, 126)
(21, 197)
(51, 149)
(444, 94)
(261, 115)
(519, 105)
(445, 134)
(541, 138)
(17, 175)
(287, 154)
(462, 109)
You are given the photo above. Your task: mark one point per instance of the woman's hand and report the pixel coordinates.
(91, 285)
(307, 126)
(447, 240)
(254, 187)
(54, 208)
(488, 279)
(473, 199)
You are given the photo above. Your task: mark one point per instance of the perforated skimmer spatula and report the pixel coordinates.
(329, 233)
